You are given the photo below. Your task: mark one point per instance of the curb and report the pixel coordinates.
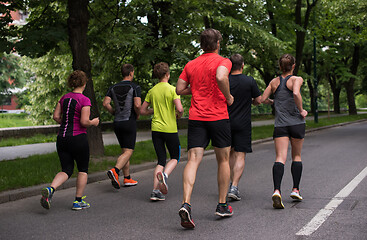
(17, 194)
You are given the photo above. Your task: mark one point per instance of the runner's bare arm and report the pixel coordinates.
(223, 83)
(179, 108)
(137, 106)
(145, 110)
(266, 93)
(84, 118)
(182, 87)
(57, 113)
(107, 105)
(297, 83)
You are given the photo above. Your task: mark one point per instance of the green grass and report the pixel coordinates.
(14, 120)
(40, 169)
(38, 138)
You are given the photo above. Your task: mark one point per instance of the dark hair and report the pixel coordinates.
(209, 38)
(126, 69)
(286, 62)
(160, 69)
(237, 61)
(77, 79)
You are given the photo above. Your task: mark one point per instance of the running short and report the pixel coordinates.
(171, 140)
(295, 131)
(201, 132)
(125, 132)
(241, 140)
(72, 148)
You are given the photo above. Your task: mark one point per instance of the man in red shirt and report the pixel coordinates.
(206, 78)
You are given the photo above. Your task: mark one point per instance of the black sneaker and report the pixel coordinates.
(224, 210)
(185, 214)
(157, 196)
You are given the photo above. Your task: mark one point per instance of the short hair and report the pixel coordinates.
(209, 38)
(160, 69)
(77, 78)
(237, 61)
(286, 62)
(126, 69)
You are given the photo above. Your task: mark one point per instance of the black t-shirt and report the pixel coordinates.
(123, 94)
(243, 89)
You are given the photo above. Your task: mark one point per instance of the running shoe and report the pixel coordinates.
(130, 182)
(162, 178)
(47, 194)
(234, 193)
(296, 196)
(157, 196)
(277, 201)
(185, 215)
(224, 210)
(114, 178)
(80, 205)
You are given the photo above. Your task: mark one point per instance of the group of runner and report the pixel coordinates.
(220, 112)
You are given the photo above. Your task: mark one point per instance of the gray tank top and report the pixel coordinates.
(286, 111)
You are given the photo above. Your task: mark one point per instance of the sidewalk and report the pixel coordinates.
(109, 138)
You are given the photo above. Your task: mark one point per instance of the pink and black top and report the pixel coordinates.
(71, 108)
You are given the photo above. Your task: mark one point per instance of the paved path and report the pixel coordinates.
(332, 160)
(23, 151)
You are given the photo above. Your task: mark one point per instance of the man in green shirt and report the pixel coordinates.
(166, 107)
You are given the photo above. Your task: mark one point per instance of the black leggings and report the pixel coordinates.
(73, 148)
(161, 140)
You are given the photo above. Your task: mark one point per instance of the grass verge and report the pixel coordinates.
(40, 169)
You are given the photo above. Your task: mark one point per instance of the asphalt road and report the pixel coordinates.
(332, 159)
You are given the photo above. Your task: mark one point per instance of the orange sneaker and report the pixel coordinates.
(114, 178)
(129, 182)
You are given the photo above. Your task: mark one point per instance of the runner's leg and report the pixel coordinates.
(195, 155)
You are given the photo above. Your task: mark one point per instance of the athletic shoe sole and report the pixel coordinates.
(114, 181)
(157, 199)
(45, 198)
(162, 183)
(45, 203)
(277, 202)
(186, 220)
(296, 197)
(79, 208)
(130, 184)
(234, 196)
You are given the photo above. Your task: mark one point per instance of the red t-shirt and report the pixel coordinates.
(208, 102)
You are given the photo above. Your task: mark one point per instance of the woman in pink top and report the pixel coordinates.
(72, 113)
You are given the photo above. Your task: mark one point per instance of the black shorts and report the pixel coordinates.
(241, 140)
(201, 132)
(73, 148)
(171, 140)
(125, 132)
(295, 131)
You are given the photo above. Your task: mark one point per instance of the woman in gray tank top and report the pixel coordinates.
(289, 125)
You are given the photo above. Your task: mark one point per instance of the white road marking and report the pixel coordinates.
(324, 213)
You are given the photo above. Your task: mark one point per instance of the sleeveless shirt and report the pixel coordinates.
(286, 111)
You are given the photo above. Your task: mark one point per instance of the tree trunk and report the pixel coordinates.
(77, 28)
(349, 86)
(336, 99)
(301, 33)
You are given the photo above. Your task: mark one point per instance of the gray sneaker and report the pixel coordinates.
(157, 196)
(234, 193)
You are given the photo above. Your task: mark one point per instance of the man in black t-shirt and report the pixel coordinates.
(126, 96)
(245, 92)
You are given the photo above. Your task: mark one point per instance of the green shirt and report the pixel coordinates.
(161, 98)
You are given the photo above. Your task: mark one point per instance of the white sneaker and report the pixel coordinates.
(296, 196)
(277, 201)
